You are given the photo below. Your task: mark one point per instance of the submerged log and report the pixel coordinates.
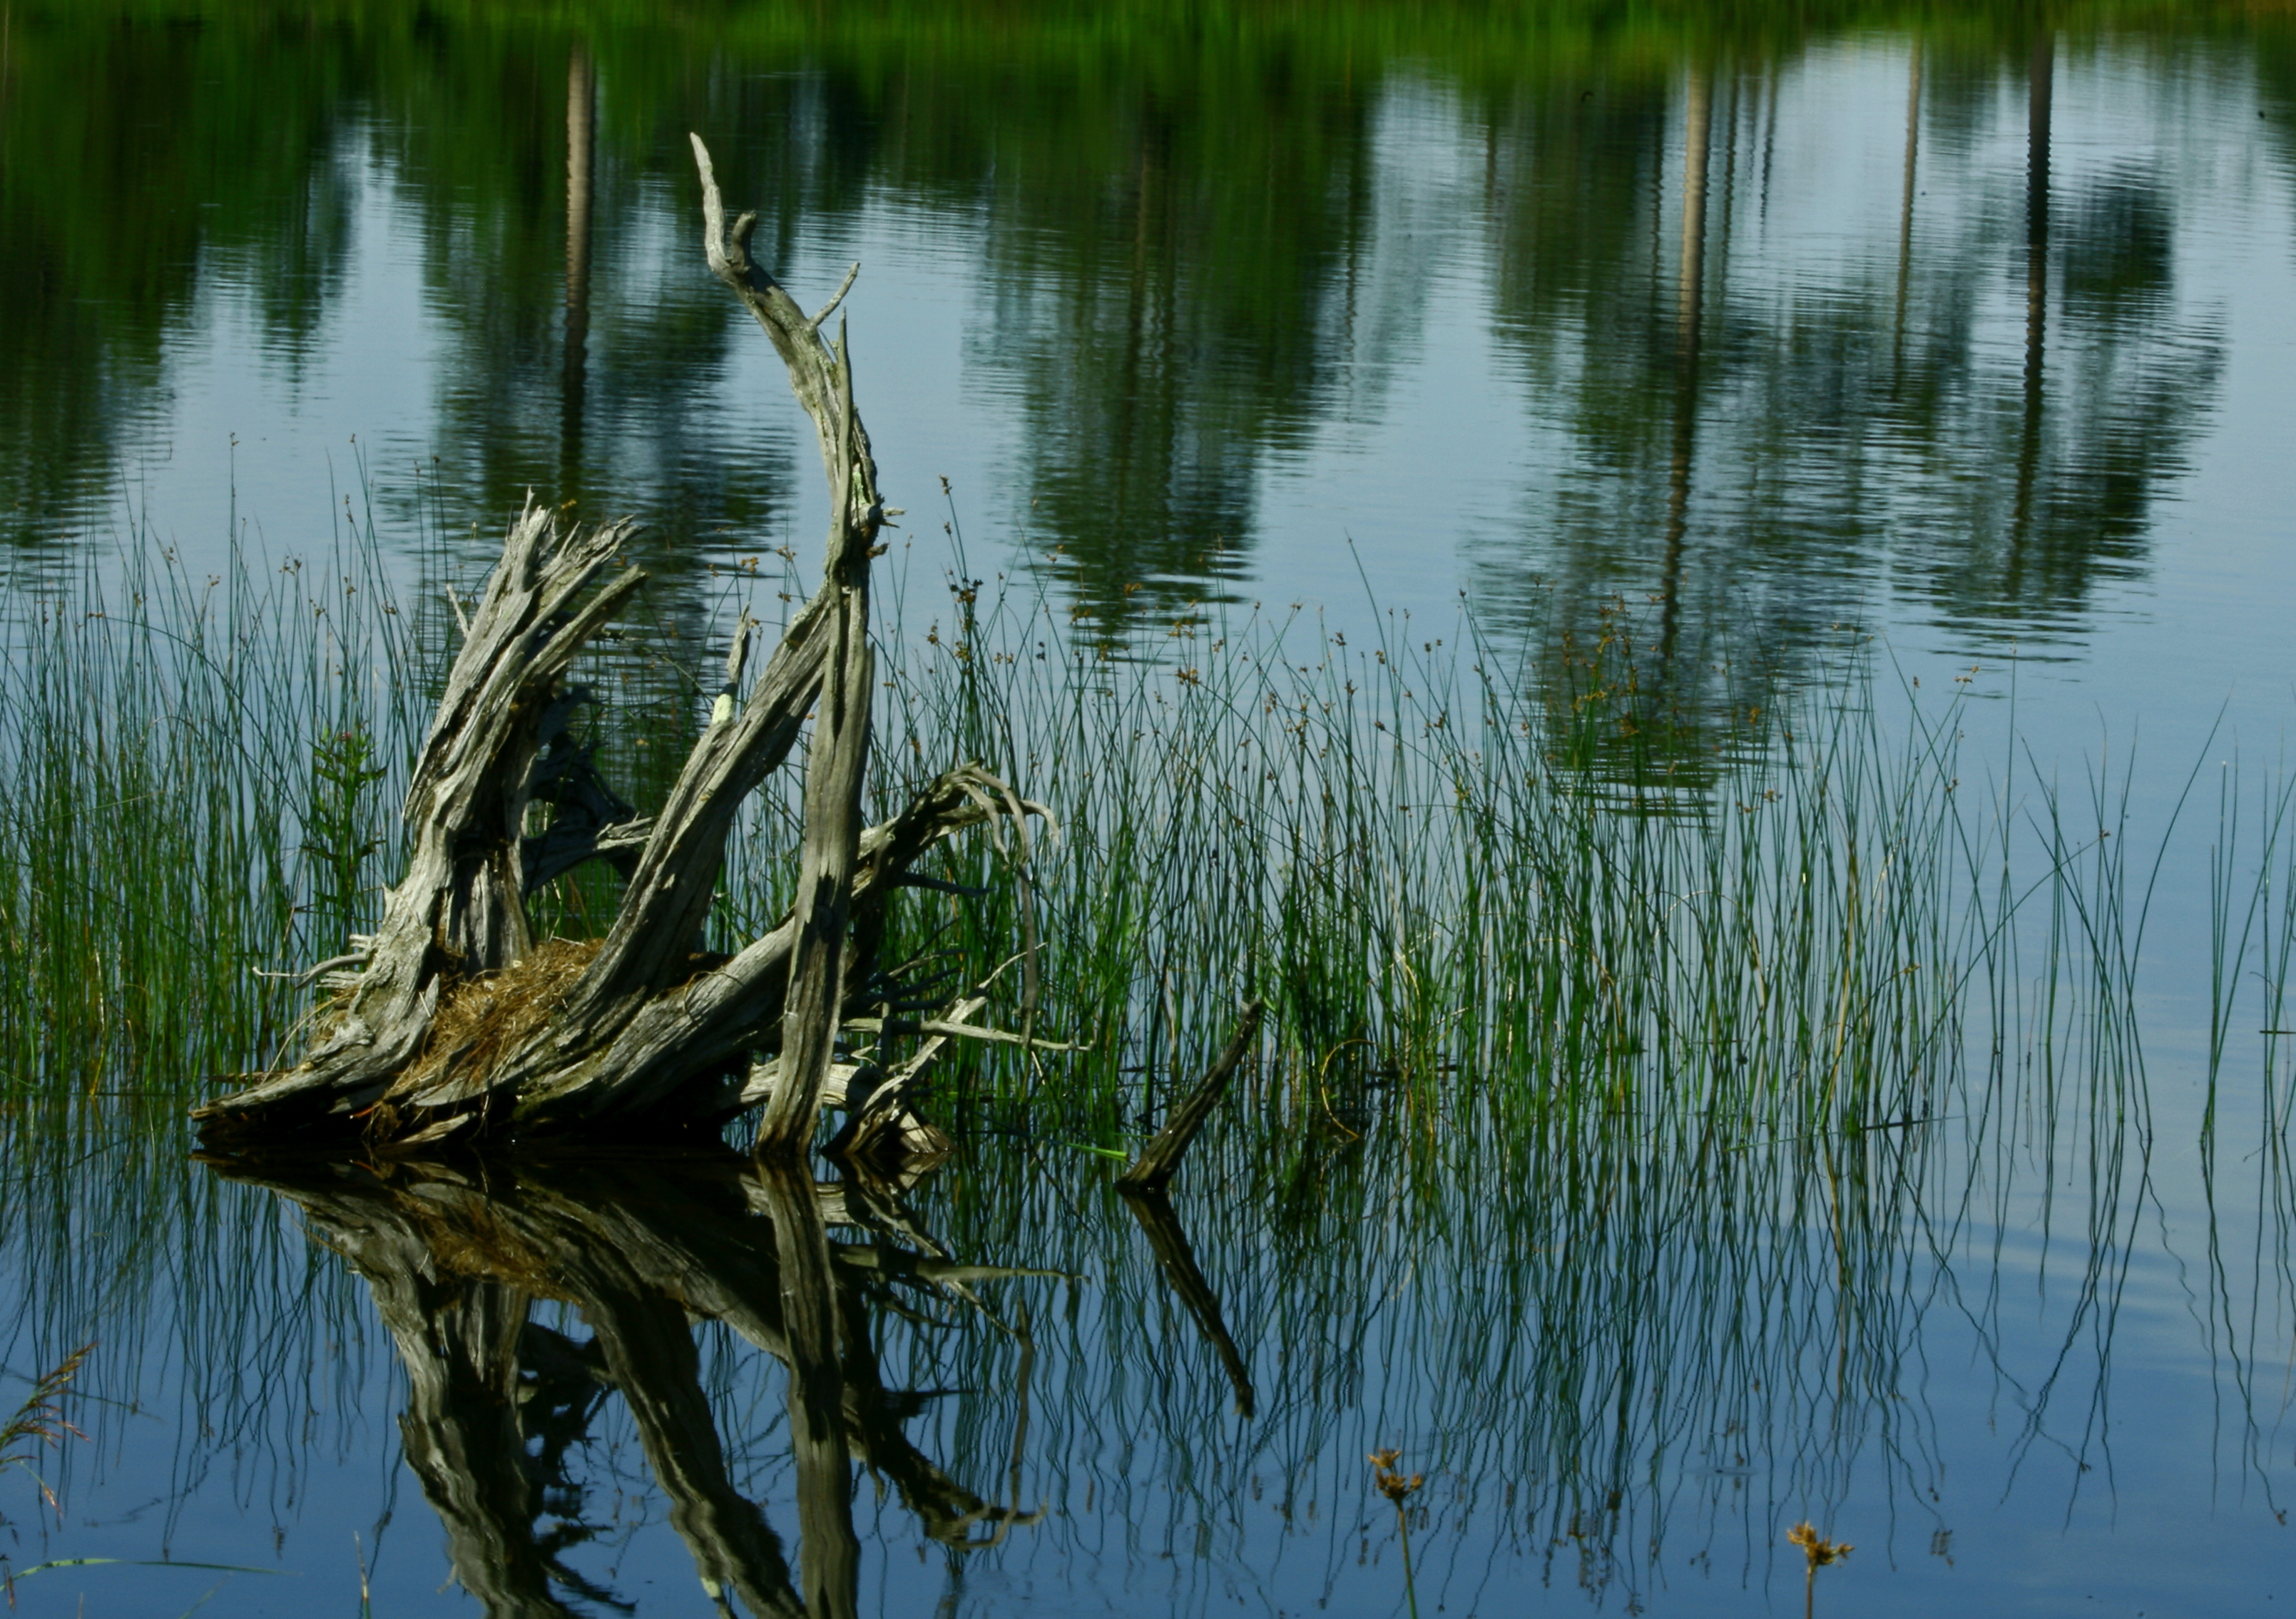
(457, 1022)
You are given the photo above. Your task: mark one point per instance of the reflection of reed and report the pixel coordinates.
(1607, 1334)
(2251, 1317)
(456, 1263)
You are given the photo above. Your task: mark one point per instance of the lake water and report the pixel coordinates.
(1981, 338)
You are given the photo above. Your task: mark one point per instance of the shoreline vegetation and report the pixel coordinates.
(1473, 23)
(1464, 876)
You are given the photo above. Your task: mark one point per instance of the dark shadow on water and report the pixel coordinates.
(458, 1257)
(1177, 1261)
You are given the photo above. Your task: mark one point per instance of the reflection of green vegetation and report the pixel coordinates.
(128, 157)
(1807, 443)
(1177, 200)
(1189, 276)
(1434, 26)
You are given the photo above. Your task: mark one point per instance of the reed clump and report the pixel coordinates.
(179, 813)
(1457, 867)
(1488, 880)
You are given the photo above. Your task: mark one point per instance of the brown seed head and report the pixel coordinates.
(1391, 1483)
(1394, 1486)
(1819, 1550)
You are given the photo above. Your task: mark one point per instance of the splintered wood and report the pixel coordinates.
(455, 1024)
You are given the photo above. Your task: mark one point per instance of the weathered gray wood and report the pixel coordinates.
(651, 1031)
(813, 369)
(832, 824)
(651, 942)
(591, 821)
(459, 909)
(1161, 1156)
(887, 1113)
(685, 1054)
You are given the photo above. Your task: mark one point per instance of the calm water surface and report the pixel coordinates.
(1983, 338)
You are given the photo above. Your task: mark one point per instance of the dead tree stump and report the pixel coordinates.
(456, 1023)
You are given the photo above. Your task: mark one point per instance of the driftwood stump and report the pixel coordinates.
(452, 1021)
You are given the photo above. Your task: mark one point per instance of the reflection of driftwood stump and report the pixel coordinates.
(456, 1022)
(643, 1246)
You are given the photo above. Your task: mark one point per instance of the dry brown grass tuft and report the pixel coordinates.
(480, 1020)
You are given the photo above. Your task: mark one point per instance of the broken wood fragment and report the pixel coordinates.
(1161, 1156)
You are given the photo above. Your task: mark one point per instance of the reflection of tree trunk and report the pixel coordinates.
(1905, 207)
(1177, 1261)
(458, 1339)
(461, 1431)
(2040, 73)
(581, 125)
(1689, 316)
(649, 1349)
(829, 1556)
(641, 1251)
(1698, 114)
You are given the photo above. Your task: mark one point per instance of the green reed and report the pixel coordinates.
(1457, 869)
(1528, 875)
(179, 813)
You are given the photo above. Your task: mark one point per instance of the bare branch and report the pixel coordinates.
(1160, 1158)
(836, 297)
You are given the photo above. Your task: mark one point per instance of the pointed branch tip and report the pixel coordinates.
(836, 299)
